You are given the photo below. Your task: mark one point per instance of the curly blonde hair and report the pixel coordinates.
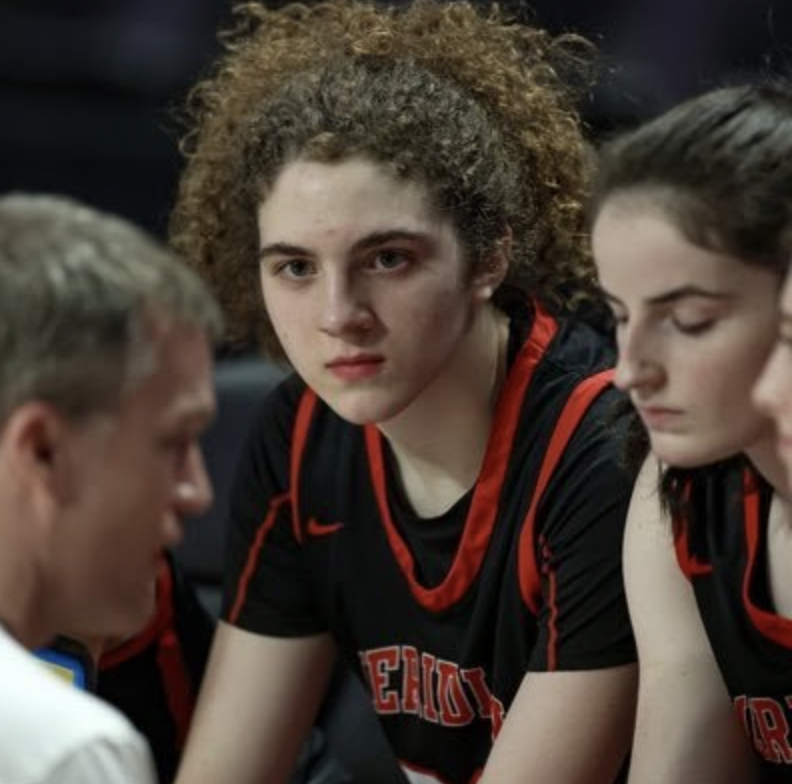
(473, 105)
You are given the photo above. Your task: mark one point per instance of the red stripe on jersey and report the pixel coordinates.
(688, 563)
(253, 554)
(163, 617)
(179, 690)
(772, 626)
(484, 504)
(552, 603)
(574, 410)
(302, 424)
(178, 687)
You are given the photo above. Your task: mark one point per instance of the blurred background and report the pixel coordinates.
(88, 88)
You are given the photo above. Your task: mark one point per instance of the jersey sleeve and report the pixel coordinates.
(583, 622)
(267, 587)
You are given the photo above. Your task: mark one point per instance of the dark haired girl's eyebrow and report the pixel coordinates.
(674, 295)
(683, 292)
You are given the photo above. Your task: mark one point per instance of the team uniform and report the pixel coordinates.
(724, 555)
(442, 618)
(153, 678)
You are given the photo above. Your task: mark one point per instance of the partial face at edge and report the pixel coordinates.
(773, 391)
(135, 477)
(693, 329)
(365, 285)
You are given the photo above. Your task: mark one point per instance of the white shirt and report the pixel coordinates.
(53, 733)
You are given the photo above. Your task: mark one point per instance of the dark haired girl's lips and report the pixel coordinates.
(656, 418)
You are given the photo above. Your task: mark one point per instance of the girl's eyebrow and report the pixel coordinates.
(673, 295)
(683, 292)
(383, 237)
(282, 249)
(369, 241)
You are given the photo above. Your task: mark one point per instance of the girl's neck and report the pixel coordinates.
(440, 440)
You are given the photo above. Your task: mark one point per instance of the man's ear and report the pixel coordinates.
(489, 277)
(35, 445)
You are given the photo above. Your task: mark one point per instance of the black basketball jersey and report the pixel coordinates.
(442, 618)
(724, 555)
(153, 677)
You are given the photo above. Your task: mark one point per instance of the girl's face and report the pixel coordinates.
(693, 328)
(773, 392)
(366, 286)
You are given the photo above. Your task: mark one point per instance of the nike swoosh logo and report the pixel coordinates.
(314, 528)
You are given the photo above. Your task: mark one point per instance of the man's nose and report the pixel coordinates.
(193, 490)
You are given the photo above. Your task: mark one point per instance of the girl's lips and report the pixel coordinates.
(356, 368)
(658, 418)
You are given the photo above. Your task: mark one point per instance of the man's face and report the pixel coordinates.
(136, 474)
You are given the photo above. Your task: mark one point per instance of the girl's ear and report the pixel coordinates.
(487, 279)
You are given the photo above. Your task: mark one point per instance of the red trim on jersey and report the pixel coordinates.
(178, 687)
(776, 628)
(574, 409)
(689, 564)
(552, 603)
(424, 772)
(179, 690)
(161, 620)
(253, 554)
(484, 504)
(302, 424)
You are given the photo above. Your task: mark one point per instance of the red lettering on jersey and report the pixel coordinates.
(773, 729)
(428, 663)
(404, 680)
(378, 664)
(455, 708)
(411, 690)
(489, 707)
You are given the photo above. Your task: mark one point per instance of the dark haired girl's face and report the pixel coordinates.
(773, 392)
(693, 329)
(365, 286)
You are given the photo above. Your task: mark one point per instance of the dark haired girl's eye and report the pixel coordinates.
(693, 328)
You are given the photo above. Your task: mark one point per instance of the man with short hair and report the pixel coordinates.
(105, 388)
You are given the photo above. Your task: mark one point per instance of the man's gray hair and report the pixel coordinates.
(80, 291)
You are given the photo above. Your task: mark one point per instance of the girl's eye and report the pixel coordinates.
(295, 268)
(693, 328)
(390, 259)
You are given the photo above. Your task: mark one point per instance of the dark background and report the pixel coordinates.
(88, 87)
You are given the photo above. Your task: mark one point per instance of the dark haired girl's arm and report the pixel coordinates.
(686, 728)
